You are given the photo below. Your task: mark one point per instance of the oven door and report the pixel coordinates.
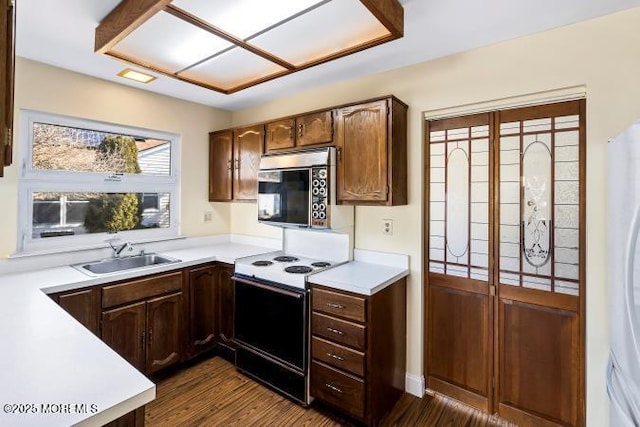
(271, 320)
(284, 197)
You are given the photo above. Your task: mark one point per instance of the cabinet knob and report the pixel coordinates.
(335, 356)
(300, 129)
(230, 164)
(335, 331)
(150, 337)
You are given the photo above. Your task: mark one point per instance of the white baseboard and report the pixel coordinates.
(414, 384)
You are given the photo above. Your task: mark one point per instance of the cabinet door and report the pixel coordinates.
(248, 146)
(280, 135)
(84, 306)
(164, 331)
(221, 166)
(316, 128)
(202, 309)
(225, 301)
(362, 153)
(7, 61)
(123, 329)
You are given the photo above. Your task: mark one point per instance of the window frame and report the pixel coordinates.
(36, 181)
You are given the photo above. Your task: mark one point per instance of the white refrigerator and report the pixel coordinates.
(623, 373)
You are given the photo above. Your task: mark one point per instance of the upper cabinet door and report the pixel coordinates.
(7, 62)
(221, 166)
(280, 135)
(362, 153)
(315, 128)
(248, 147)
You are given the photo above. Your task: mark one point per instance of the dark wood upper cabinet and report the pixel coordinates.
(247, 148)
(314, 128)
(371, 142)
(164, 332)
(203, 300)
(280, 135)
(307, 130)
(83, 305)
(124, 330)
(7, 65)
(221, 166)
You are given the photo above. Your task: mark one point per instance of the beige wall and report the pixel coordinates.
(54, 90)
(599, 54)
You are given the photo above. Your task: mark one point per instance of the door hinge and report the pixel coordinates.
(8, 137)
(387, 191)
(492, 290)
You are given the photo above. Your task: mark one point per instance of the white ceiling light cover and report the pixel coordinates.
(243, 18)
(330, 28)
(232, 68)
(170, 43)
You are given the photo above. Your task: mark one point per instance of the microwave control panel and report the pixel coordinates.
(319, 197)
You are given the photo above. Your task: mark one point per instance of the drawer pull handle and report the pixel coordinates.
(334, 388)
(335, 331)
(335, 356)
(334, 305)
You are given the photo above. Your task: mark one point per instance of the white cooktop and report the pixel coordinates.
(277, 267)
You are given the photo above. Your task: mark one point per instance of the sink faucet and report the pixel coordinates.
(117, 249)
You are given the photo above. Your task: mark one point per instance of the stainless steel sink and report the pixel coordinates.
(117, 265)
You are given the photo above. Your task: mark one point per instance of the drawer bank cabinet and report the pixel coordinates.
(156, 322)
(358, 350)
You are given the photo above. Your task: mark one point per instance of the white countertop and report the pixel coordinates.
(48, 358)
(368, 273)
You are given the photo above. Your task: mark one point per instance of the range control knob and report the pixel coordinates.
(322, 174)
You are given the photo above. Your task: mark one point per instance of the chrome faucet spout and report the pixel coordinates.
(117, 249)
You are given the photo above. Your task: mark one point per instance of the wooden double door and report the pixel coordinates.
(504, 319)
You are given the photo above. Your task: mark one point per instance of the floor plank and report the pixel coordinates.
(213, 393)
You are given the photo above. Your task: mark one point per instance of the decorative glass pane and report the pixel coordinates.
(480, 131)
(564, 122)
(537, 125)
(436, 136)
(509, 128)
(457, 203)
(64, 148)
(536, 219)
(569, 288)
(68, 214)
(462, 133)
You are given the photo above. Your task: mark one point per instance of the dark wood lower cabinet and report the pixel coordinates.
(131, 419)
(358, 349)
(149, 329)
(203, 300)
(124, 330)
(83, 305)
(225, 311)
(164, 332)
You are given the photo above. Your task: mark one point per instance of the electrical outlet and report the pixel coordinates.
(207, 216)
(387, 227)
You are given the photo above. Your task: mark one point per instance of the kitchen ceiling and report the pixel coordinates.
(61, 33)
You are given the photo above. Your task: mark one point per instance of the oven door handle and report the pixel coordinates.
(270, 288)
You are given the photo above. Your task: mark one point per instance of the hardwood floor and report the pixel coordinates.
(212, 393)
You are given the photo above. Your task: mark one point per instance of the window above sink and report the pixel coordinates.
(82, 180)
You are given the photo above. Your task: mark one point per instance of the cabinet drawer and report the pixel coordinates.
(339, 304)
(338, 389)
(340, 331)
(136, 290)
(338, 356)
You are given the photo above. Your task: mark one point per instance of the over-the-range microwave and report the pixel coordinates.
(297, 189)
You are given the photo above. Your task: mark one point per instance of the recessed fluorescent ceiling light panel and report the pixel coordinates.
(230, 45)
(130, 74)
